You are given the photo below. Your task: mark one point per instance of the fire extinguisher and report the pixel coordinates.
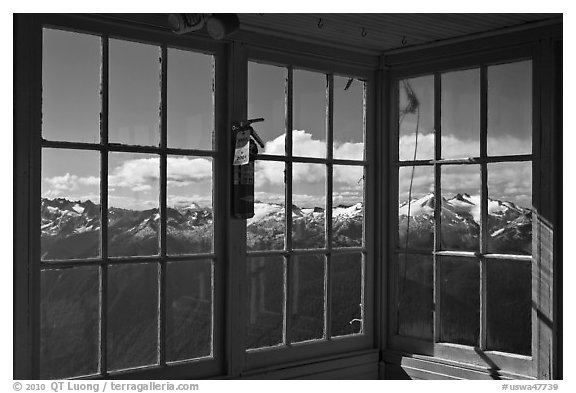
(245, 153)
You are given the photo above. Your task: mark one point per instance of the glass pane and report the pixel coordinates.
(459, 301)
(416, 296)
(416, 207)
(265, 280)
(132, 315)
(71, 86)
(134, 93)
(69, 322)
(133, 215)
(348, 131)
(461, 114)
(189, 221)
(416, 118)
(346, 303)
(70, 204)
(509, 306)
(190, 100)
(308, 204)
(266, 98)
(307, 282)
(309, 118)
(509, 208)
(460, 219)
(510, 109)
(348, 206)
(267, 229)
(188, 310)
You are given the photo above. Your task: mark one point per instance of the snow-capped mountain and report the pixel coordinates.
(71, 229)
(509, 225)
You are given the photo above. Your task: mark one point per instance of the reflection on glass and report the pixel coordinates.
(190, 100)
(461, 114)
(69, 322)
(189, 221)
(307, 282)
(348, 118)
(415, 296)
(308, 204)
(460, 219)
(133, 215)
(416, 207)
(509, 208)
(266, 230)
(70, 86)
(309, 119)
(416, 117)
(132, 315)
(70, 204)
(188, 310)
(134, 91)
(266, 98)
(510, 108)
(265, 281)
(348, 206)
(509, 306)
(346, 303)
(460, 302)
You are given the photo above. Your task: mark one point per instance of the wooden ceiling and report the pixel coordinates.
(377, 33)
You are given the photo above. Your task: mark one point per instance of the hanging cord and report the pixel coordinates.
(413, 106)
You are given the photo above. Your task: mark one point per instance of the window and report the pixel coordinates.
(307, 256)
(128, 254)
(463, 259)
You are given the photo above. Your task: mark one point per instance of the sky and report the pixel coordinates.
(71, 107)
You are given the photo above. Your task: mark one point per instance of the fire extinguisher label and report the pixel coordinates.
(242, 152)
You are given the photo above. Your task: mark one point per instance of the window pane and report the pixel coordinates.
(134, 93)
(133, 215)
(460, 219)
(70, 86)
(70, 205)
(416, 296)
(348, 206)
(416, 207)
(509, 208)
(510, 109)
(308, 204)
(348, 131)
(190, 220)
(416, 117)
(346, 303)
(266, 98)
(461, 114)
(309, 134)
(267, 229)
(307, 282)
(509, 306)
(132, 315)
(189, 310)
(459, 301)
(69, 322)
(190, 100)
(265, 280)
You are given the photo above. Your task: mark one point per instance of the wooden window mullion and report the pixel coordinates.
(329, 203)
(104, 96)
(289, 96)
(483, 203)
(437, 202)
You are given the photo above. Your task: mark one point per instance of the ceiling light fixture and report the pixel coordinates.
(218, 26)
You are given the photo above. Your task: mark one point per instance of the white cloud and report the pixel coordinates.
(69, 182)
(143, 173)
(454, 147)
(271, 172)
